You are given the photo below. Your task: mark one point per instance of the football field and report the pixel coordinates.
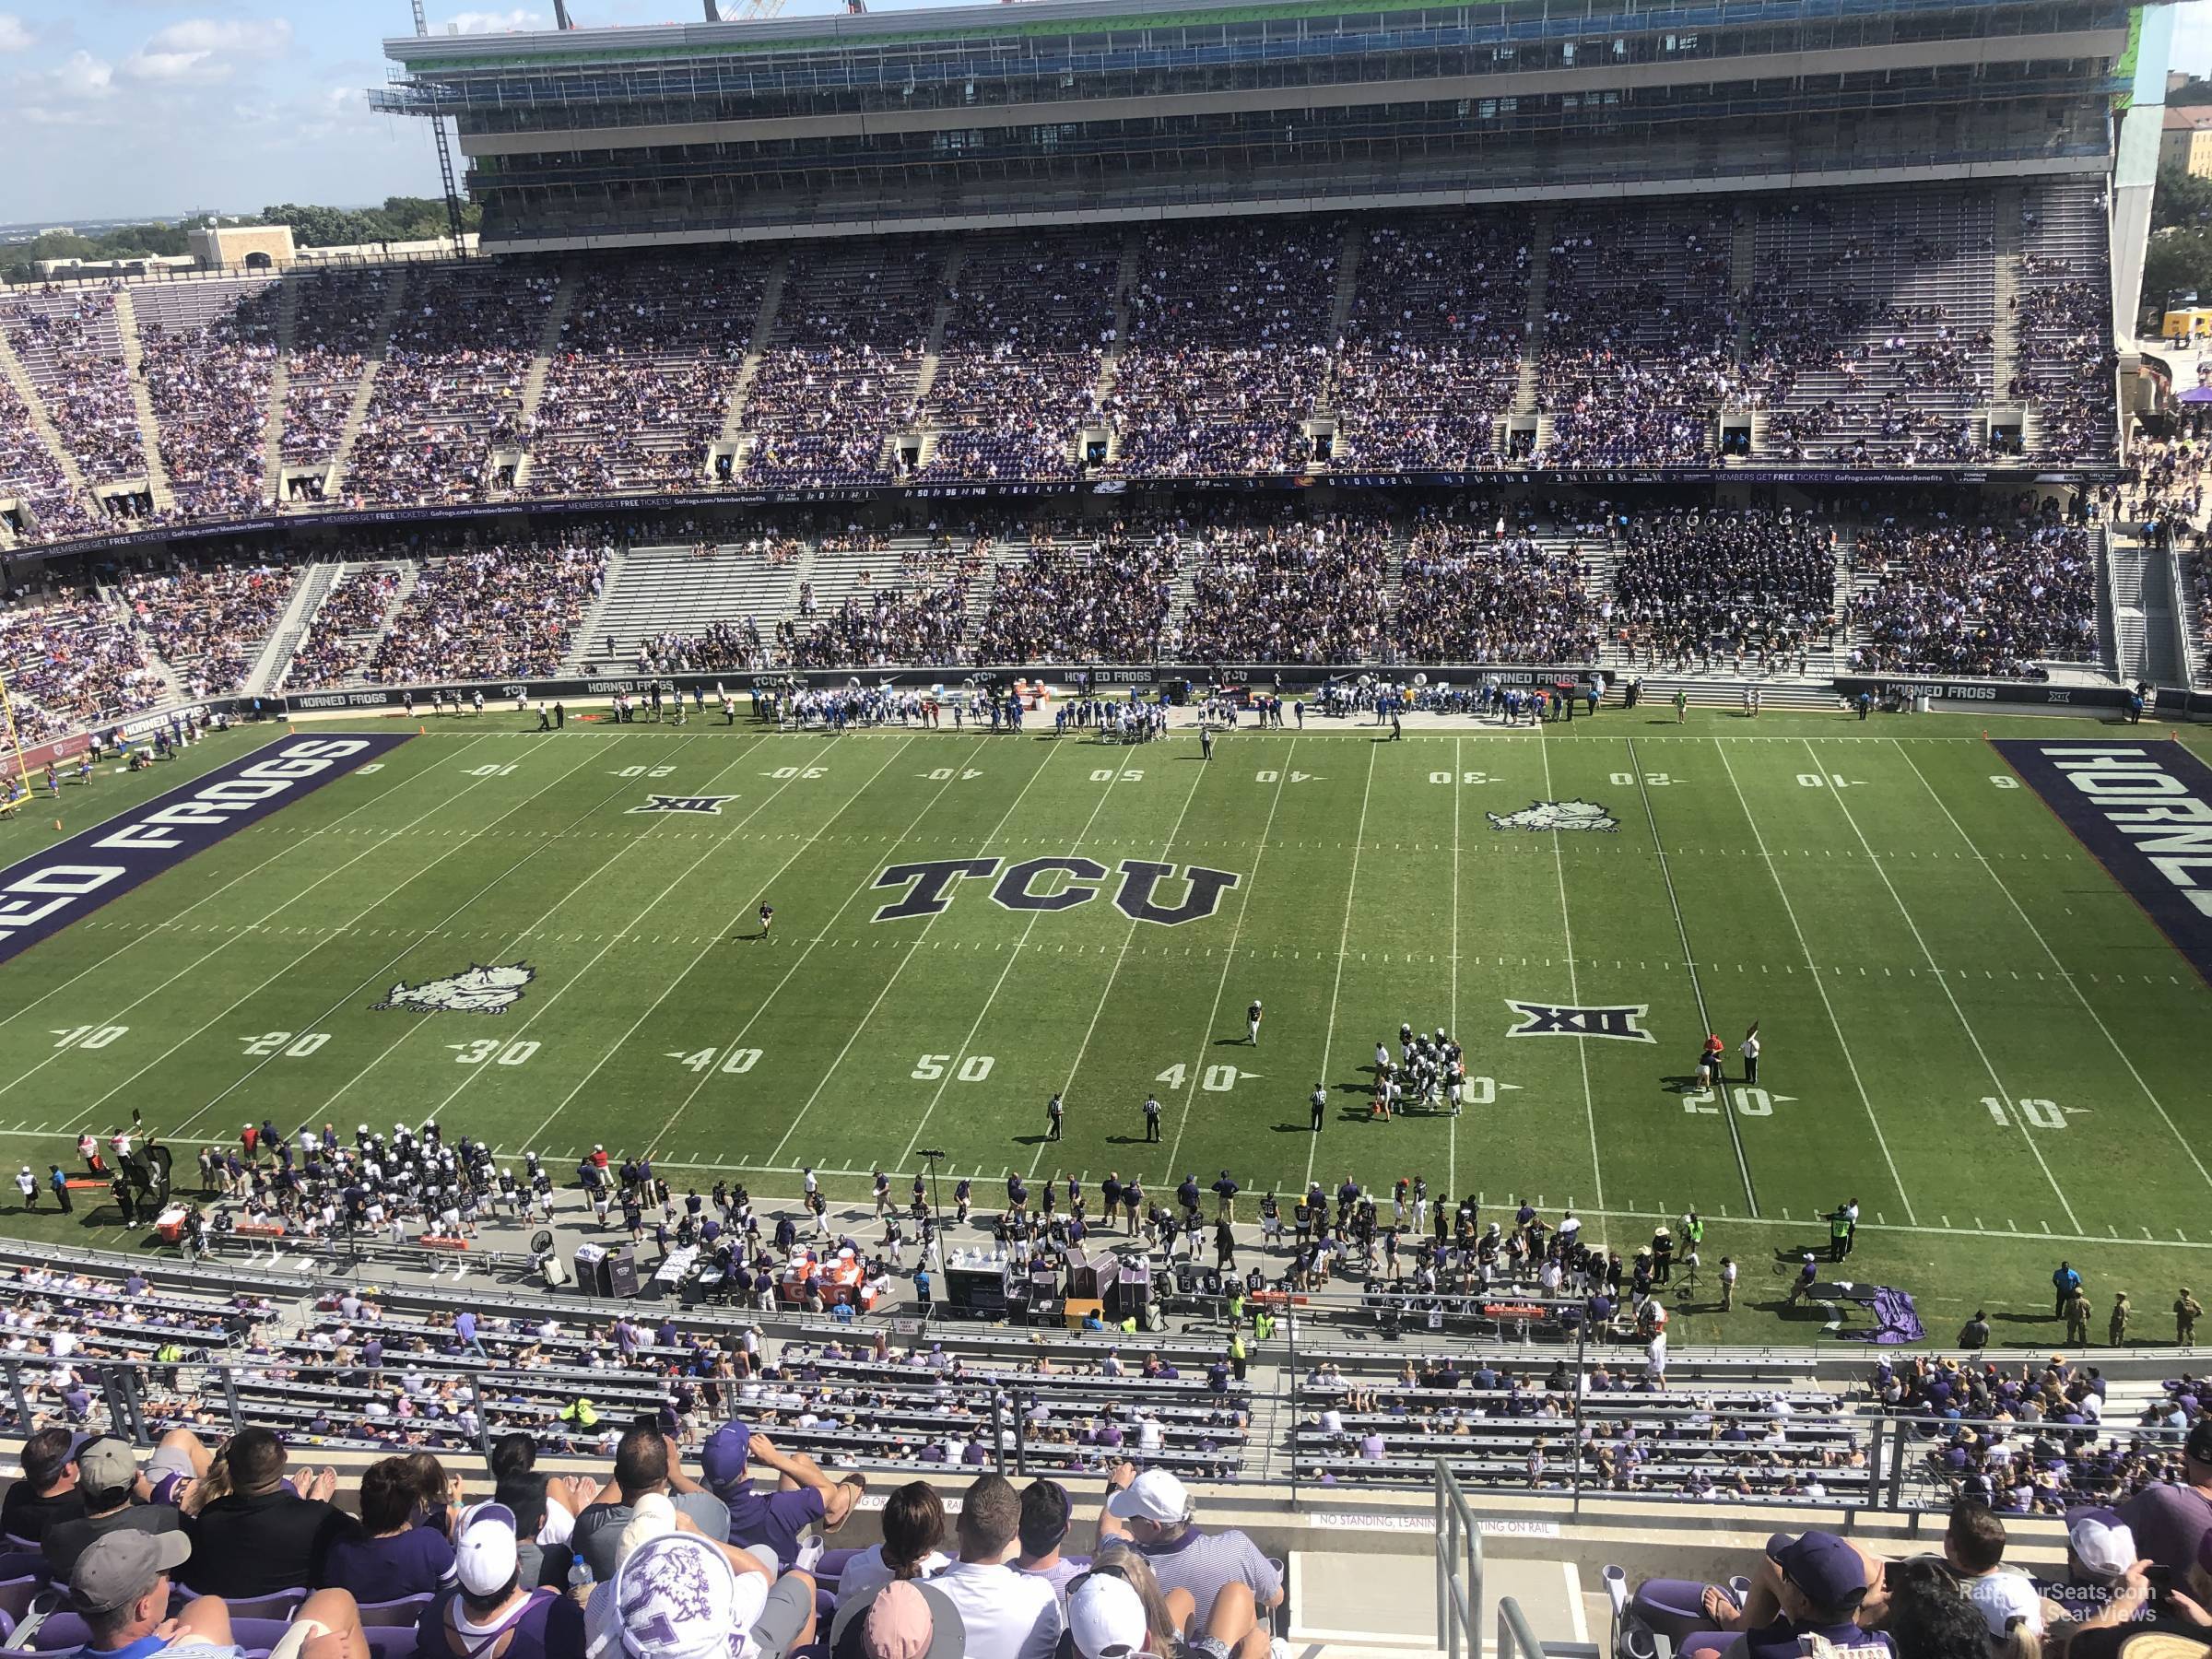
(1969, 1025)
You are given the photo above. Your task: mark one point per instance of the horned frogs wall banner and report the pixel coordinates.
(44, 893)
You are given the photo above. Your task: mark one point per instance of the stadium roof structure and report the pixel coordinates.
(1072, 111)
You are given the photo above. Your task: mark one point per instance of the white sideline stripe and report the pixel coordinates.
(1229, 956)
(391, 789)
(1166, 854)
(576, 979)
(1819, 983)
(1014, 956)
(2087, 1006)
(243, 933)
(1344, 937)
(1574, 990)
(414, 939)
(1964, 1024)
(712, 939)
(1689, 961)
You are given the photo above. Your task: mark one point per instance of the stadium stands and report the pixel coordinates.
(1751, 587)
(1980, 599)
(208, 351)
(71, 347)
(206, 622)
(498, 612)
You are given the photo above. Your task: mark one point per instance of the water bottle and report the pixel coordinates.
(580, 1575)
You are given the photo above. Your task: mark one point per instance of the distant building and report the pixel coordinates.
(255, 247)
(2187, 141)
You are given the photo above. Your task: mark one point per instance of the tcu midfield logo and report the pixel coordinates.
(1016, 888)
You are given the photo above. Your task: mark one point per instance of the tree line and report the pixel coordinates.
(399, 219)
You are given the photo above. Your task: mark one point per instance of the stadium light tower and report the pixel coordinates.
(445, 153)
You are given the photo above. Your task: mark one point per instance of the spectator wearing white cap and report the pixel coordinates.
(488, 1612)
(1117, 1609)
(1006, 1614)
(1153, 1512)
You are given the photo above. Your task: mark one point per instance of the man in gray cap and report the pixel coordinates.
(107, 1477)
(120, 1586)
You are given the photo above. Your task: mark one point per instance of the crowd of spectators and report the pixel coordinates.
(1228, 348)
(1474, 593)
(1969, 597)
(889, 625)
(1083, 600)
(717, 645)
(450, 387)
(1026, 330)
(507, 610)
(70, 345)
(336, 321)
(209, 622)
(207, 370)
(1431, 357)
(1751, 586)
(343, 631)
(1639, 337)
(48, 506)
(2062, 318)
(1294, 590)
(641, 381)
(72, 662)
(832, 383)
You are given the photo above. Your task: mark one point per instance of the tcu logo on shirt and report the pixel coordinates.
(1027, 887)
(1549, 1020)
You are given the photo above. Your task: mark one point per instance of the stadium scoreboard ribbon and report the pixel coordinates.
(2145, 811)
(44, 893)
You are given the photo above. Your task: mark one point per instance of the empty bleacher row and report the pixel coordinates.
(1838, 329)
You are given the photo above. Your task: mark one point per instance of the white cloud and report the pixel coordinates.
(14, 37)
(490, 22)
(204, 49)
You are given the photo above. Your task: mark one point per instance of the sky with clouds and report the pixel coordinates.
(157, 107)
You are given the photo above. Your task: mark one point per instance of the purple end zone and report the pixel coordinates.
(43, 894)
(2145, 809)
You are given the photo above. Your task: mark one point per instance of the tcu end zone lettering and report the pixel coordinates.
(43, 894)
(2145, 809)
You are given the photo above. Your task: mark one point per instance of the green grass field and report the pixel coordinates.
(1969, 1024)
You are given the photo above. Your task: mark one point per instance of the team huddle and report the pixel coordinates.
(1429, 1072)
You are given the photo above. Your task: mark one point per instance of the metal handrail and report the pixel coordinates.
(1515, 1640)
(1459, 1570)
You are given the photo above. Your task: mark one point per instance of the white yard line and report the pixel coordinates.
(638, 1024)
(1452, 1131)
(417, 937)
(1819, 983)
(1229, 961)
(214, 893)
(2065, 977)
(1122, 956)
(1344, 939)
(1688, 960)
(1944, 980)
(914, 950)
(247, 931)
(1013, 957)
(715, 844)
(1574, 989)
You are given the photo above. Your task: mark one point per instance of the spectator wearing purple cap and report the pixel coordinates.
(488, 1612)
(1810, 1584)
(804, 1495)
(47, 1493)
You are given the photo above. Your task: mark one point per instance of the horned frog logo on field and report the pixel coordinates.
(479, 990)
(1555, 814)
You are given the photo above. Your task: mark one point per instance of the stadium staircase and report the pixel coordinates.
(1124, 284)
(1743, 274)
(588, 629)
(764, 323)
(299, 613)
(1340, 311)
(142, 400)
(671, 590)
(41, 421)
(2196, 669)
(1532, 341)
(2119, 618)
(2005, 337)
(548, 342)
(2138, 589)
(280, 386)
(396, 293)
(932, 344)
(361, 645)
